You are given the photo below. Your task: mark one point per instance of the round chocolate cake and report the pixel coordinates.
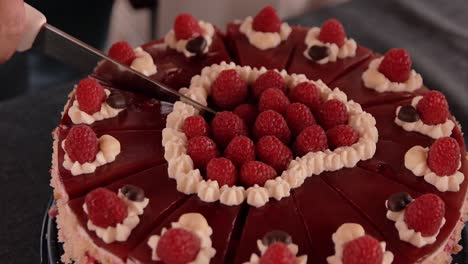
(320, 151)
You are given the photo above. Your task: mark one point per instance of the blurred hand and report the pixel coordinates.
(12, 21)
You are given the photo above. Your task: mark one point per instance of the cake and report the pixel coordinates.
(320, 151)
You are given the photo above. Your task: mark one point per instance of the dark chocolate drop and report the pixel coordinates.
(408, 114)
(317, 53)
(196, 45)
(276, 236)
(133, 193)
(116, 100)
(398, 201)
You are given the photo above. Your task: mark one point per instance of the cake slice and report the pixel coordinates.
(323, 211)
(320, 59)
(360, 185)
(222, 219)
(137, 112)
(81, 243)
(353, 85)
(139, 150)
(389, 160)
(274, 216)
(262, 41)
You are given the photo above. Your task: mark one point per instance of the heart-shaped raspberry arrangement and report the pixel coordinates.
(271, 131)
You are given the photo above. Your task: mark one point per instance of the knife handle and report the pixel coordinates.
(34, 22)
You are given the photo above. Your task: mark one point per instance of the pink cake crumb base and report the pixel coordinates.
(77, 245)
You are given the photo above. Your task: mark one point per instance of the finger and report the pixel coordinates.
(12, 22)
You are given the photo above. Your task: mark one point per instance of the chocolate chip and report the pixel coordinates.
(398, 201)
(196, 45)
(133, 193)
(317, 53)
(276, 236)
(408, 113)
(116, 100)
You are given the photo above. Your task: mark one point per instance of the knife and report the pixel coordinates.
(59, 45)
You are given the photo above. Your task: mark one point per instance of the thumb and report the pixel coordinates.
(12, 22)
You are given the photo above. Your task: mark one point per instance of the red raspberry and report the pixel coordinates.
(271, 123)
(278, 253)
(364, 249)
(240, 150)
(186, 27)
(105, 208)
(433, 108)
(122, 52)
(81, 144)
(225, 126)
(311, 139)
(267, 20)
(256, 172)
(332, 31)
(342, 135)
(90, 95)
(273, 152)
(201, 149)
(425, 214)
(195, 126)
(178, 246)
(332, 113)
(306, 93)
(299, 117)
(273, 99)
(248, 112)
(444, 156)
(396, 65)
(221, 170)
(229, 90)
(270, 79)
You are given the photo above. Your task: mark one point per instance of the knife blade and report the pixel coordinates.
(71, 51)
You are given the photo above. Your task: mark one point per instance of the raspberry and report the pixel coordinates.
(267, 20)
(178, 246)
(201, 149)
(364, 249)
(240, 150)
(311, 139)
(270, 79)
(81, 144)
(195, 126)
(221, 170)
(444, 156)
(273, 152)
(228, 90)
(299, 117)
(396, 65)
(271, 123)
(306, 93)
(90, 95)
(332, 31)
(122, 52)
(273, 99)
(278, 253)
(248, 112)
(342, 135)
(225, 126)
(256, 172)
(186, 27)
(433, 108)
(105, 208)
(332, 113)
(425, 214)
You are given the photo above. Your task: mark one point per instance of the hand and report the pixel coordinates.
(12, 22)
